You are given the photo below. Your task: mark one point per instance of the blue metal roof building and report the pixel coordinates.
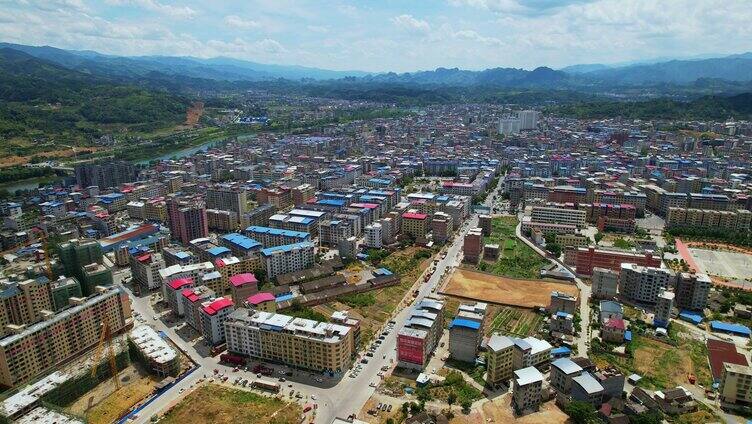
(286, 248)
(466, 323)
(240, 241)
(731, 328)
(689, 316)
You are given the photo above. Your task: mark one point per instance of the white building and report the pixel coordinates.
(509, 126)
(213, 316)
(288, 258)
(663, 309)
(374, 236)
(527, 388)
(643, 284)
(605, 283)
(565, 216)
(528, 119)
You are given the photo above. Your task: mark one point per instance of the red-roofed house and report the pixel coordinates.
(263, 301)
(242, 286)
(192, 300)
(213, 316)
(613, 330)
(173, 291)
(415, 225)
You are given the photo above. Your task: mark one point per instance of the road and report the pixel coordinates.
(335, 397)
(583, 338)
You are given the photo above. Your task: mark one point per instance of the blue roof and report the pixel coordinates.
(218, 250)
(283, 297)
(241, 241)
(183, 255)
(728, 327)
(562, 314)
(460, 322)
(628, 336)
(285, 248)
(561, 351)
(331, 202)
(278, 232)
(689, 316)
(383, 271)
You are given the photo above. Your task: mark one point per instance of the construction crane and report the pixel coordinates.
(43, 241)
(105, 337)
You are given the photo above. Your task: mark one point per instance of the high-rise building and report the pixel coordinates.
(663, 309)
(643, 284)
(509, 126)
(735, 384)
(692, 291)
(472, 245)
(145, 266)
(105, 175)
(528, 119)
(213, 315)
(188, 219)
(24, 303)
(287, 258)
(228, 198)
(499, 359)
(420, 335)
(373, 236)
(466, 331)
(62, 337)
(77, 253)
(585, 259)
(62, 290)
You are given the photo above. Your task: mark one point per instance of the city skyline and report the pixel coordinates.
(389, 36)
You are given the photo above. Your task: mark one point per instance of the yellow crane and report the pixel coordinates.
(105, 337)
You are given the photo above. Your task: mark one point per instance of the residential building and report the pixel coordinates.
(588, 258)
(63, 289)
(242, 286)
(531, 352)
(24, 303)
(228, 198)
(586, 388)
(562, 302)
(466, 331)
(42, 347)
(192, 300)
(553, 215)
(500, 351)
(155, 353)
(298, 342)
(287, 258)
(736, 385)
(213, 314)
(663, 308)
(473, 245)
(415, 225)
(420, 335)
(605, 283)
(145, 267)
(613, 330)
(692, 291)
(271, 237)
(643, 284)
(187, 219)
(527, 389)
(373, 236)
(563, 370)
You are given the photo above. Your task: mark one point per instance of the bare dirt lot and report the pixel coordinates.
(503, 291)
(726, 264)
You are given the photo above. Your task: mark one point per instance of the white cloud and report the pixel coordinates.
(474, 36)
(318, 28)
(180, 12)
(409, 23)
(238, 22)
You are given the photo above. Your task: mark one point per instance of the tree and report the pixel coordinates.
(405, 408)
(414, 408)
(598, 237)
(580, 412)
(451, 398)
(390, 421)
(423, 394)
(646, 418)
(466, 404)
(554, 248)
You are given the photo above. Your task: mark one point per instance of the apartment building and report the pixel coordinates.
(586, 388)
(271, 237)
(24, 303)
(243, 286)
(331, 231)
(663, 308)
(441, 227)
(298, 342)
(563, 370)
(585, 259)
(212, 315)
(692, 291)
(220, 220)
(62, 290)
(145, 267)
(415, 225)
(193, 271)
(44, 346)
(528, 225)
(421, 333)
(287, 258)
(240, 245)
(574, 240)
(643, 284)
(187, 219)
(374, 236)
(531, 352)
(228, 198)
(718, 202)
(736, 385)
(192, 300)
(500, 351)
(466, 331)
(605, 283)
(527, 389)
(553, 215)
(739, 220)
(472, 246)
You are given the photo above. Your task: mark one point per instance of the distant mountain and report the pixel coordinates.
(499, 77)
(584, 68)
(219, 68)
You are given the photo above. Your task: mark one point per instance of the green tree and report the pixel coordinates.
(414, 408)
(405, 407)
(466, 404)
(580, 412)
(390, 421)
(646, 418)
(451, 398)
(598, 237)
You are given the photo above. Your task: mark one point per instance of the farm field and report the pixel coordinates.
(219, 405)
(516, 260)
(514, 321)
(484, 287)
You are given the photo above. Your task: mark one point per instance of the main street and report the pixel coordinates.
(334, 397)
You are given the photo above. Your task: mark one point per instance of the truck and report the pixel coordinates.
(267, 385)
(232, 359)
(260, 369)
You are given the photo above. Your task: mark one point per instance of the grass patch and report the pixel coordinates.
(358, 300)
(215, 404)
(455, 383)
(517, 260)
(300, 311)
(516, 322)
(474, 371)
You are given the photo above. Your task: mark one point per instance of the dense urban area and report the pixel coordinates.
(272, 255)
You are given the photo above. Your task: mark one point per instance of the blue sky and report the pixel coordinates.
(388, 35)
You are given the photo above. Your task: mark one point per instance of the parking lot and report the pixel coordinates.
(726, 264)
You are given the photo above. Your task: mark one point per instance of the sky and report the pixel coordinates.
(388, 35)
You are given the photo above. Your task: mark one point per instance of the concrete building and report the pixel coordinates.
(415, 225)
(271, 237)
(287, 258)
(187, 219)
(500, 350)
(24, 303)
(586, 388)
(63, 289)
(348, 248)
(605, 283)
(735, 384)
(421, 333)
(485, 224)
(563, 216)
(242, 286)
(692, 291)
(562, 302)
(563, 370)
(44, 346)
(663, 308)
(643, 284)
(155, 353)
(473, 245)
(228, 198)
(297, 342)
(527, 389)
(531, 352)
(145, 267)
(373, 236)
(191, 300)
(466, 331)
(441, 227)
(528, 119)
(588, 258)
(213, 315)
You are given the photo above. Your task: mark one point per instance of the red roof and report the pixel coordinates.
(243, 279)
(259, 298)
(144, 258)
(412, 215)
(218, 305)
(617, 323)
(190, 295)
(365, 205)
(180, 283)
(720, 352)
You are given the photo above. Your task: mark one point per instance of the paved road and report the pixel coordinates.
(583, 337)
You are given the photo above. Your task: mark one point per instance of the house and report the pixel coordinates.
(613, 330)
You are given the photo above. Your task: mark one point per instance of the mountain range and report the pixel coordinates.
(175, 70)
